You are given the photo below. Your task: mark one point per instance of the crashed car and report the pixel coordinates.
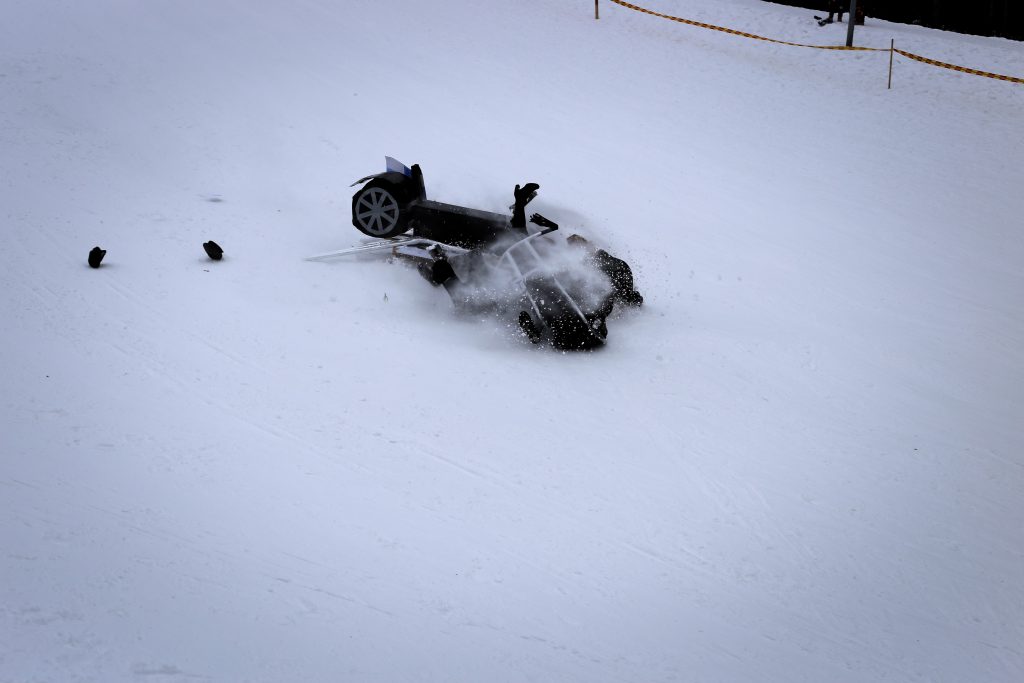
(395, 202)
(558, 291)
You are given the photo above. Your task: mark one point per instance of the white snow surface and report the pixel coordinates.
(801, 460)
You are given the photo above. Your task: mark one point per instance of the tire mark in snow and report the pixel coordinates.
(462, 468)
(165, 670)
(799, 550)
(18, 482)
(1002, 459)
(765, 527)
(345, 598)
(158, 322)
(558, 647)
(264, 565)
(156, 368)
(699, 563)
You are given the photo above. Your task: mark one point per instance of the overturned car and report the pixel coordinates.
(558, 291)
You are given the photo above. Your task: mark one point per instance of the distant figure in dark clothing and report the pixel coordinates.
(834, 7)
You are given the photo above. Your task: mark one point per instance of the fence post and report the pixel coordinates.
(892, 48)
(596, 15)
(850, 21)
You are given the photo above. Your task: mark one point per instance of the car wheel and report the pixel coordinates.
(377, 212)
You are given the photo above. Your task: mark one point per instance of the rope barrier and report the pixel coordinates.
(909, 55)
(954, 67)
(743, 34)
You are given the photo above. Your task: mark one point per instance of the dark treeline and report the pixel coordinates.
(1003, 18)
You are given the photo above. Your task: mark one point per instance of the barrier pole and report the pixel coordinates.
(850, 21)
(596, 15)
(892, 48)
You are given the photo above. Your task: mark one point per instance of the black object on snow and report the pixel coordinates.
(524, 195)
(440, 271)
(528, 328)
(96, 256)
(621, 275)
(213, 250)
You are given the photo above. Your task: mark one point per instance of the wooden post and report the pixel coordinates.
(596, 15)
(892, 48)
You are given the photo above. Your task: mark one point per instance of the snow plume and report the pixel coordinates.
(488, 282)
(576, 269)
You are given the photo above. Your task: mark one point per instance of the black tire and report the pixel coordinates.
(378, 210)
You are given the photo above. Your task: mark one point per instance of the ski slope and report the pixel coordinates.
(801, 460)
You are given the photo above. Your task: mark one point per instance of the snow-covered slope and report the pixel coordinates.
(801, 460)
